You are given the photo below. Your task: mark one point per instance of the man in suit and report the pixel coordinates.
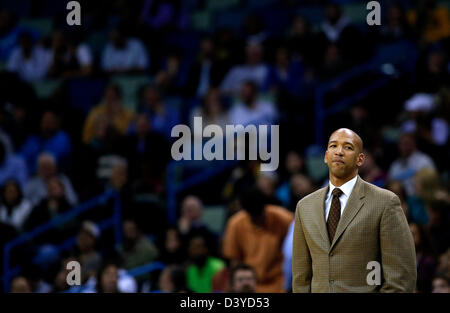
(340, 228)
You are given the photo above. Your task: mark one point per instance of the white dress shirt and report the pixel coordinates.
(346, 192)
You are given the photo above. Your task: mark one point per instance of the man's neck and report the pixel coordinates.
(338, 181)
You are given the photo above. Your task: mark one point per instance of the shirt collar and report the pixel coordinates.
(346, 188)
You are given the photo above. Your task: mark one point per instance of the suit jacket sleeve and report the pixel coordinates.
(398, 255)
(301, 258)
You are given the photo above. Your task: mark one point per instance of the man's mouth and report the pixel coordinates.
(338, 161)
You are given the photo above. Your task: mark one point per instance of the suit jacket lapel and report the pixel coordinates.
(319, 212)
(352, 207)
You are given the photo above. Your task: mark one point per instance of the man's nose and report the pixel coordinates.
(339, 151)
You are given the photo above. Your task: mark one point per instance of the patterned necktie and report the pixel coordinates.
(335, 213)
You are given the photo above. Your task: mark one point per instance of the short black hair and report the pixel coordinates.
(253, 200)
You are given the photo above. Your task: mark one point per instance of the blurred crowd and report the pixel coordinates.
(74, 124)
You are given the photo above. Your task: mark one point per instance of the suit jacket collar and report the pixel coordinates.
(354, 204)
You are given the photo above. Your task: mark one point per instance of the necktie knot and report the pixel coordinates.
(337, 192)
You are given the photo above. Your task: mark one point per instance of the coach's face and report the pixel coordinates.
(344, 154)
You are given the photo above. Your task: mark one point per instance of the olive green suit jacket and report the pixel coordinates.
(373, 227)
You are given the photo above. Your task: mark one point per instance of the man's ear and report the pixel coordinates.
(361, 158)
(325, 158)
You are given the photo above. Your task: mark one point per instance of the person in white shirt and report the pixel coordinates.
(251, 110)
(31, 62)
(15, 208)
(122, 54)
(254, 69)
(410, 162)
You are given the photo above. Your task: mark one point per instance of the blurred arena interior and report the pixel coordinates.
(86, 115)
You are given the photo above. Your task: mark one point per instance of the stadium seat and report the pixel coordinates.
(130, 86)
(214, 218)
(45, 88)
(201, 21)
(43, 26)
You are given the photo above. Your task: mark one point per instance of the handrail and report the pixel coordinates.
(173, 188)
(321, 112)
(114, 221)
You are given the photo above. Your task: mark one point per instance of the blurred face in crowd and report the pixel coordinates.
(436, 62)
(119, 176)
(254, 53)
(332, 14)
(117, 39)
(248, 93)
(46, 167)
(344, 154)
(299, 26)
(55, 188)
(244, 281)
(213, 106)
(207, 47)
(282, 57)
(85, 241)
(151, 97)
(11, 193)
(369, 162)
(172, 240)
(198, 251)
(142, 125)
(406, 145)
(49, 124)
(112, 97)
(130, 230)
(301, 185)
(20, 285)
(266, 184)
(192, 208)
(440, 286)
(294, 162)
(109, 279)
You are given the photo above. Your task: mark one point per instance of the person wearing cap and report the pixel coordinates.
(90, 260)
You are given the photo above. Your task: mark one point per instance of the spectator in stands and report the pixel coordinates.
(108, 279)
(300, 186)
(162, 117)
(371, 172)
(172, 247)
(144, 162)
(60, 282)
(301, 41)
(12, 166)
(430, 20)
(173, 280)
(426, 264)
(85, 250)
(51, 139)
(432, 72)
(254, 69)
(191, 219)
(136, 249)
(410, 162)
(30, 61)
(36, 187)
(396, 27)
(207, 72)
(255, 236)
(251, 109)
(69, 58)
(170, 77)
(15, 209)
(110, 113)
(202, 266)
(267, 182)
(293, 164)
(441, 283)
(243, 279)
(50, 207)
(212, 111)
(20, 284)
(124, 55)
(439, 224)
(397, 187)
(286, 75)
